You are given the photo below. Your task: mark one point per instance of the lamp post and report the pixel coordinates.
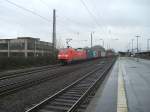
(132, 45)
(92, 39)
(103, 41)
(137, 36)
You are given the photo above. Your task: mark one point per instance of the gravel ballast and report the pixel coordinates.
(23, 99)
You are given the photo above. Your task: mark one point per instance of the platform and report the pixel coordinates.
(125, 89)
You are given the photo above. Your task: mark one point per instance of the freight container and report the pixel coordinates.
(89, 53)
(103, 53)
(95, 54)
(79, 54)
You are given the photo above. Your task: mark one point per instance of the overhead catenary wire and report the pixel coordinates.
(44, 3)
(27, 10)
(90, 13)
(94, 17)
(60, 19)
(68, 19)
(42, 17)
(97, 12)
(63, 18)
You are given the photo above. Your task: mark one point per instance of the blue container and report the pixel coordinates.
(90, 53)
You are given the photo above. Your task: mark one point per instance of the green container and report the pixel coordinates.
(90, 53)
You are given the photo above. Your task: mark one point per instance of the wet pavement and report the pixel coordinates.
(105, 99)
(137, 82)
(136, 78)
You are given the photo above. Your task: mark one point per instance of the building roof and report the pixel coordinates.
(29, 38)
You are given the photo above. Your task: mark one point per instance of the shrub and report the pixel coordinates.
(21, 62)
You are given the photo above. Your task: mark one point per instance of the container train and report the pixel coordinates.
(69, 55)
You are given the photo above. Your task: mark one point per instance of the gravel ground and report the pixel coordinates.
(26, 98)
(46, 75)
(3, 73)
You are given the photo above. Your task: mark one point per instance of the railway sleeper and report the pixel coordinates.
(60, 105)
(83, 85)
(43, 110)
(56, 108)
(76, 91)
(72, 92)
(80, 110)
(80, 89)
(72, 95)
(63, 103)
(63, 100)
(86, 81)
(68, 97)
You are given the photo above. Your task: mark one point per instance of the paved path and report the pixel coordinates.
(128, 93)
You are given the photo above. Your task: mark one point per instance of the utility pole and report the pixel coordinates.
(137, 36)
(129, 46)
(137, 43)
(132, 45)
(148, 44)
(78, 35)
(54, 32)
(8, 47)
(91, 40)
(102, 41)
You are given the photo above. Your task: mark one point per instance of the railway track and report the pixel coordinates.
(70, 98)
(8, 88)
(26, 72)
(22, 72)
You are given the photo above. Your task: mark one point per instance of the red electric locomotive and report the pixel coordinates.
(69, 55)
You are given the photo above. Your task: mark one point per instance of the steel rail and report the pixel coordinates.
(11, 87)
(27, 72)
(83, 97)
(75, 93)
(23, 72)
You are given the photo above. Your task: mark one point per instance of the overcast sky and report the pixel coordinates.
(108, 19)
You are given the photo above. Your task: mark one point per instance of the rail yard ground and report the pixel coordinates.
(20, 92)
(89, 86)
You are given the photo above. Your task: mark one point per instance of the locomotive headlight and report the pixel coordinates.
(59, 55)
(66, 55)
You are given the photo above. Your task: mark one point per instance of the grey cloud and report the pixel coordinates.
(123, 18)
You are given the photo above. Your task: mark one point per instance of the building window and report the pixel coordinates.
(17, 46)
(3, 46)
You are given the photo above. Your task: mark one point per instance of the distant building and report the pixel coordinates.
(24, 46)
(98, 48)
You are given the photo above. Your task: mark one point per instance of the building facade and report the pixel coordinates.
(24, 46)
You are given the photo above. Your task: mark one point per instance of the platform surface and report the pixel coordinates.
(105, 99)
(136, 81)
